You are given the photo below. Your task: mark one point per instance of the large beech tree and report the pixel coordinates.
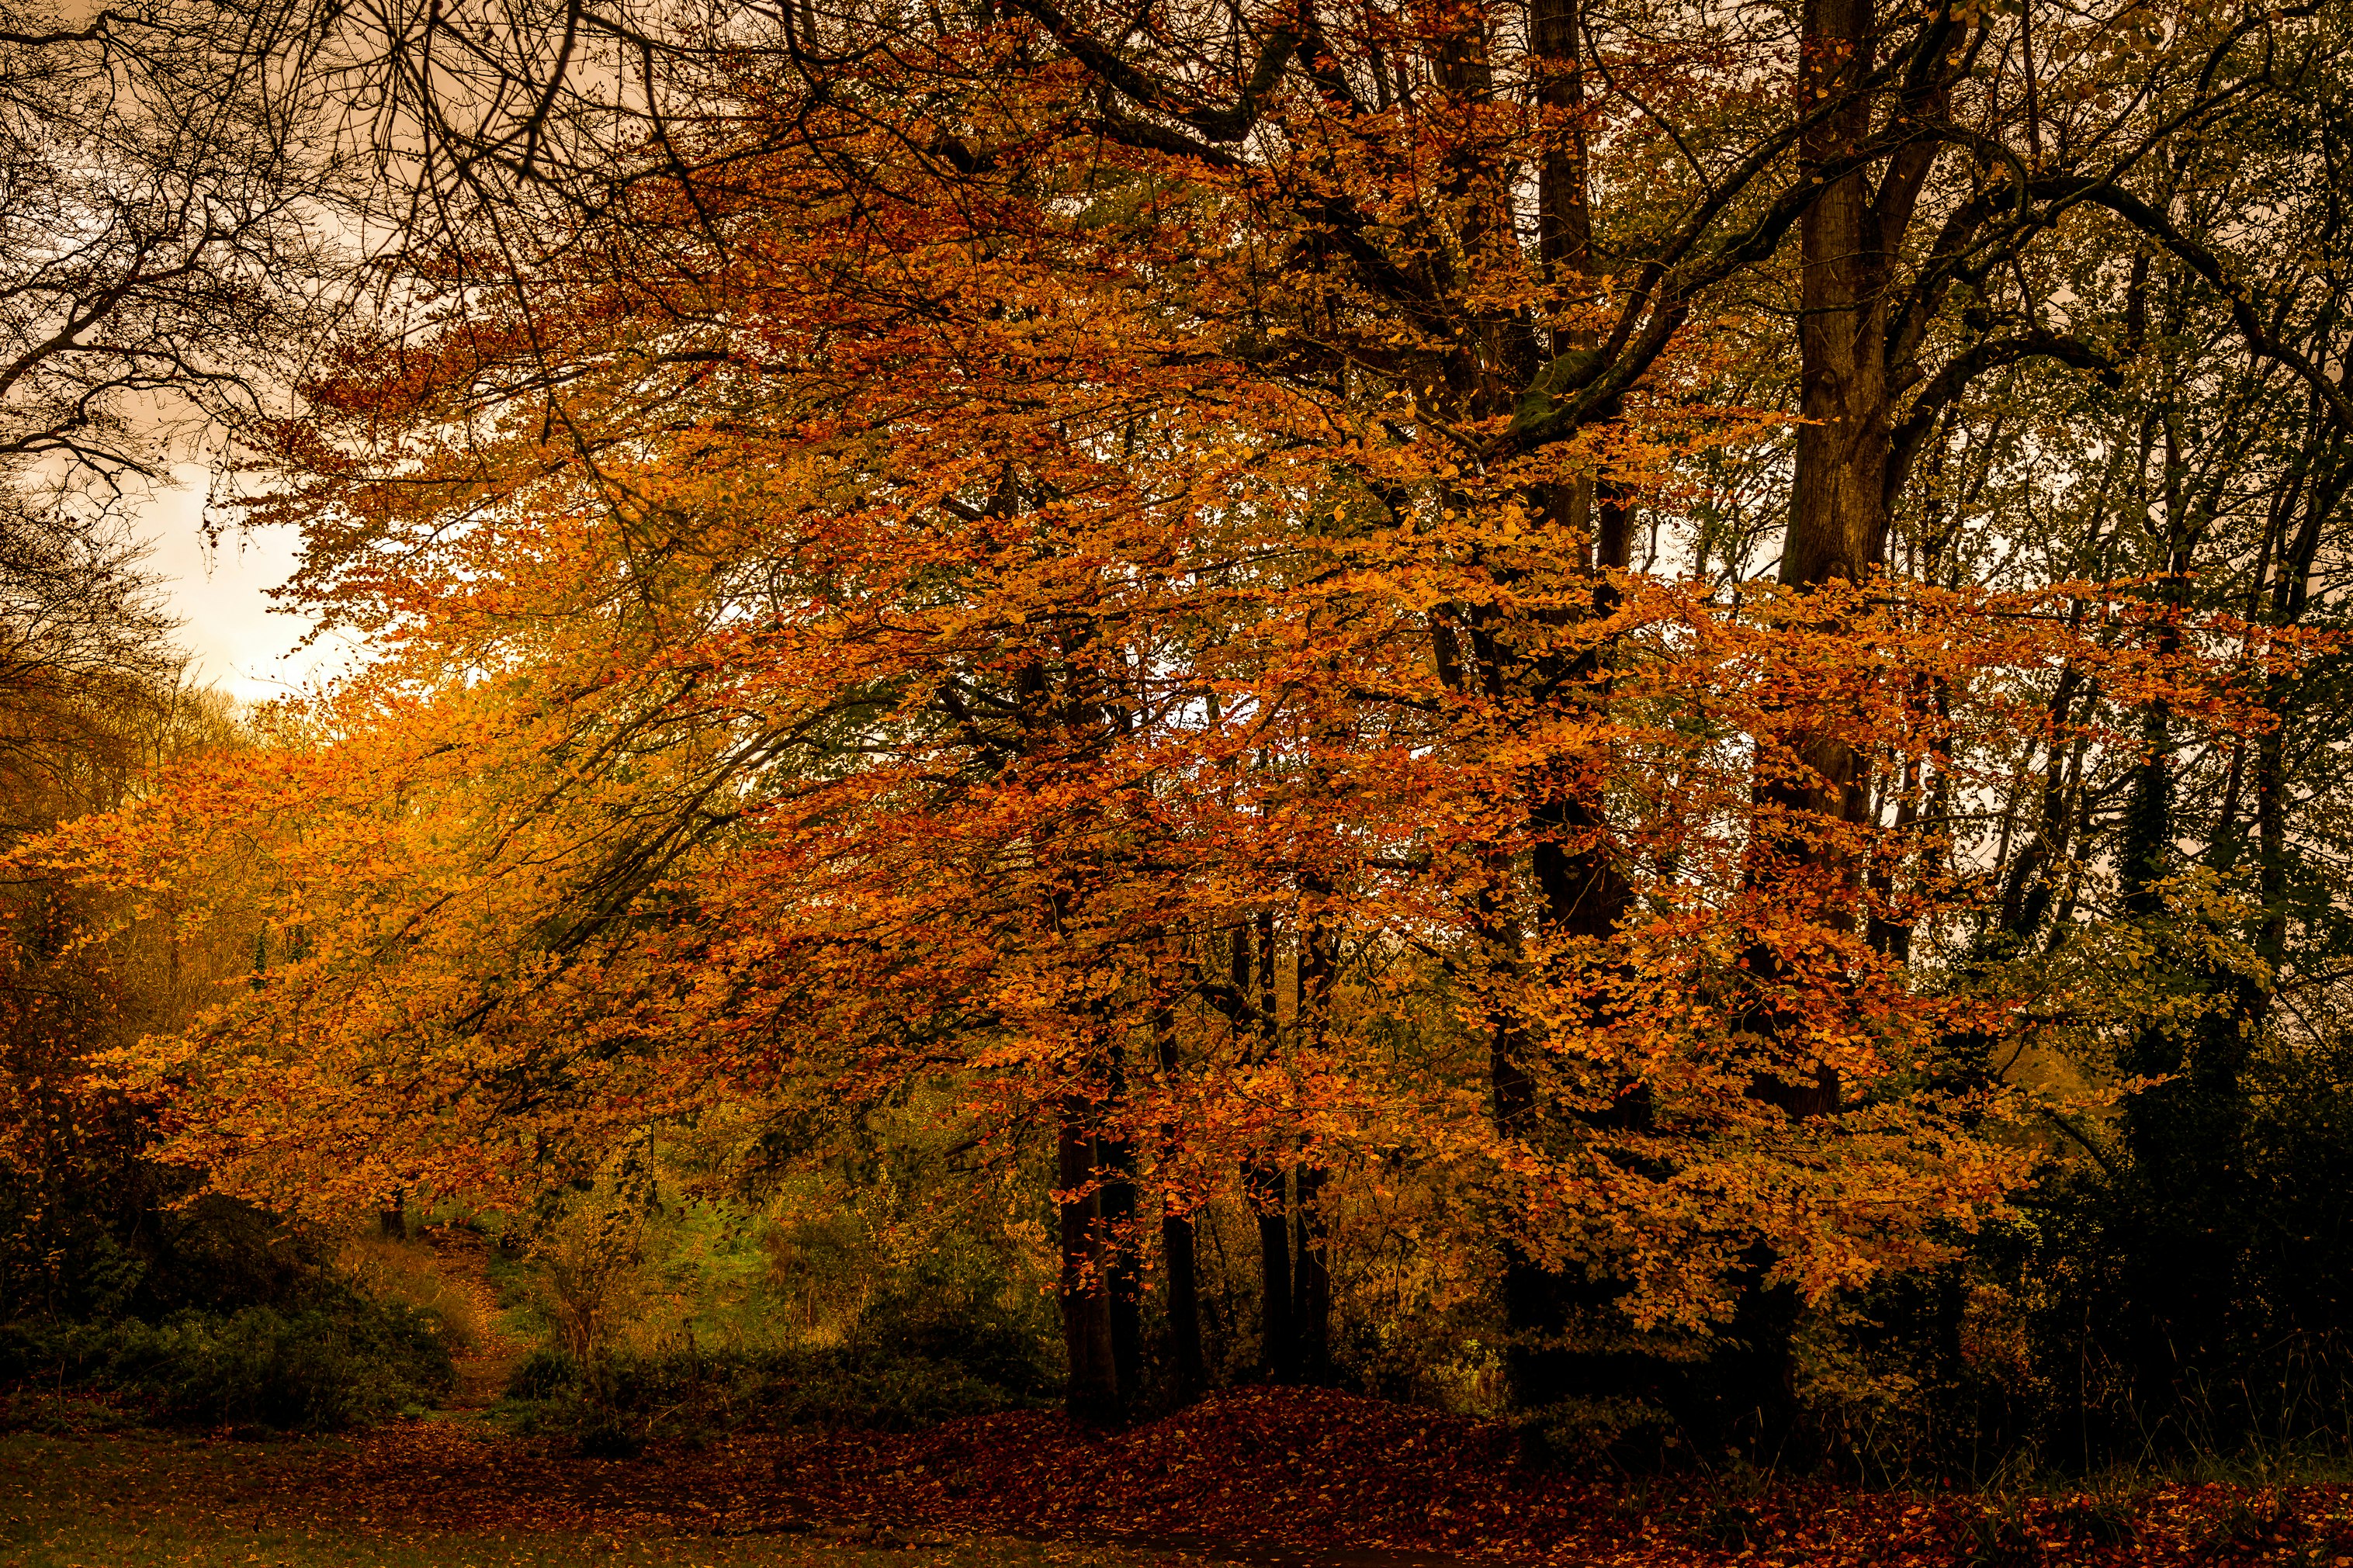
(1089, 557)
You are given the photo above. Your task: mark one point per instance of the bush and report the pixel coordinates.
(958, 1332)
(906, 1367)
(849, 1306)
(314, 1370)
(626, 1397)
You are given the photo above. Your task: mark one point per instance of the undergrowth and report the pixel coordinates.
(615, 1404)
(315, 1369)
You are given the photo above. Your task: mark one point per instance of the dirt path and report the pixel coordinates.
(488, 1365)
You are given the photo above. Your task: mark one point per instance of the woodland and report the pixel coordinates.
(1607, 737)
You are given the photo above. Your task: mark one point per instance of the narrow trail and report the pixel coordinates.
(486, 1365)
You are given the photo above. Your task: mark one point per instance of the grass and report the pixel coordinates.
(87, 1545)
(128, 1544)
(151, 1501)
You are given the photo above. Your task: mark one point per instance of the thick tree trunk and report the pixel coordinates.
(1314, 981)
(1263, 1184)
(1123, 1266)
(1583, 896)
(1311, 1282)
(1837, 513)
(1838, 523)
(1564, 218)
(1277, 1344)
(1836, 532)
(1187, 1366)
(1096, 1393)
(1581, 890)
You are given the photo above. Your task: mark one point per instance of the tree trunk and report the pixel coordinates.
(1096, 1393)
(1836, 532)
(1564, 217)
(1837, 524)
(1837, 513)
(1310, 1291)
(1316, 978)
(1581, 890)
(1277, 1354)
(1187, 1366)
(1123, 1265)
(1263, 1182)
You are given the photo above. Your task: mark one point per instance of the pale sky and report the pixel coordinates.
(238, 640)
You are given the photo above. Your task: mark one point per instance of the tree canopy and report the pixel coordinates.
(1691, 644)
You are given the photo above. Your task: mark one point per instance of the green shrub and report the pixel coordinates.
(692, 1393)
(315, 1369)
(958, 1332)
(907, 1367)
(545, 1373)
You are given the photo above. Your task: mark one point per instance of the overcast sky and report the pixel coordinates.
(227, 626)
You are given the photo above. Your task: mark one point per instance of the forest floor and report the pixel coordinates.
(1262, 1478)
(1273, 1479)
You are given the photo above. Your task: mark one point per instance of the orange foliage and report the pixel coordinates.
(894, 612)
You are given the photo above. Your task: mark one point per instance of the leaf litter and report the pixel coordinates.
(1286, 1479)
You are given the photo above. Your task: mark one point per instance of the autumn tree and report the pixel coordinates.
(1091, 559)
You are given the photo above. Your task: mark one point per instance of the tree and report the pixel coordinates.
(984, 551)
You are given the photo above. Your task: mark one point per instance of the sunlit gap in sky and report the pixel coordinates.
(235, 639)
